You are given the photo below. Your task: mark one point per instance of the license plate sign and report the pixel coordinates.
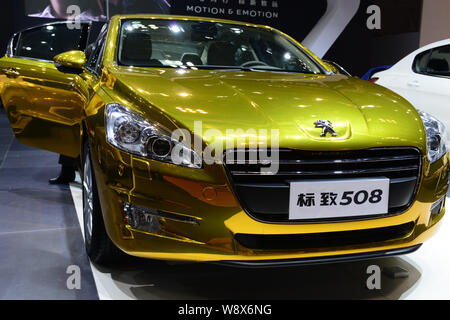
(324, 199)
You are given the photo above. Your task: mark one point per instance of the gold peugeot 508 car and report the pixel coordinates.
(211, 140)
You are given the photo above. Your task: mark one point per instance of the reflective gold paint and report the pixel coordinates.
(56, 111)
(71, 59)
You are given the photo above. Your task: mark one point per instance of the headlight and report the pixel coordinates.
(436, 136)
(128, 132)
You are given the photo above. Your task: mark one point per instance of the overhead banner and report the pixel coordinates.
(258, 10)
(282, 14)
(93, 10)
(276, 13)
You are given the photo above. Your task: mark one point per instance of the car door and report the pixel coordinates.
(428, 86)
(44, 106)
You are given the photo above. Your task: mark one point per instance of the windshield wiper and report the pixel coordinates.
(238, 68)
(281, 70)
(251, 69)
(233, 68)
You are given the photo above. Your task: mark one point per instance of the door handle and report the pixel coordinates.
(11, 73)
(414, 84)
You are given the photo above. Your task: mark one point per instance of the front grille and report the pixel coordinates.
(266, 196)
(323, 240)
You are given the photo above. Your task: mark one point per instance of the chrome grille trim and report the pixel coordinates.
(336, 172)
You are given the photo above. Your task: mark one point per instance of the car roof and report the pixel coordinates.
(434, 44)
(186, 18)
(407, 61)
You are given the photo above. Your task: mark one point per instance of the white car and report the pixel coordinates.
(423, 78)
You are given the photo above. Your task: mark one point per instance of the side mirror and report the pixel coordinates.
(70, 62)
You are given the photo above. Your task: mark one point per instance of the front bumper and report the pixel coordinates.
(320, 260)
(206, 196)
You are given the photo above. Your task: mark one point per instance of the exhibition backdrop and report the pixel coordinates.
(358, 34)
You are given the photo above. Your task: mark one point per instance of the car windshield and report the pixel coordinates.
(209, 45)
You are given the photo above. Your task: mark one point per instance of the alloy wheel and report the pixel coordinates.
(88, 199)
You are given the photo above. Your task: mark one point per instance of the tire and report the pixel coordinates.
(99, 247)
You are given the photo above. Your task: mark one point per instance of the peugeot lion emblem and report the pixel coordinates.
(327, 127)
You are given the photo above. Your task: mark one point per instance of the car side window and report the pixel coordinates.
(434, 62)
(439, 62)
(421, 61)
(94, 52)
(45, 42)
(12, 45)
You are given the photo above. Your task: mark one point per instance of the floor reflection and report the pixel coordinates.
(145, 279)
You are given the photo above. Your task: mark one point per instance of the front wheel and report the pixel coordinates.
(99, 247)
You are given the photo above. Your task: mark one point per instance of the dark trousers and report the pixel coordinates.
(68, 162)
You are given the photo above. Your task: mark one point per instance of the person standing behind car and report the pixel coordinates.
(58, 9)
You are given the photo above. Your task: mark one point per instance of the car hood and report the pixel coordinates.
(362, 114)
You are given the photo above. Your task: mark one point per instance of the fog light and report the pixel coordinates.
(437, 207)
(140, 218)
(148, 220)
